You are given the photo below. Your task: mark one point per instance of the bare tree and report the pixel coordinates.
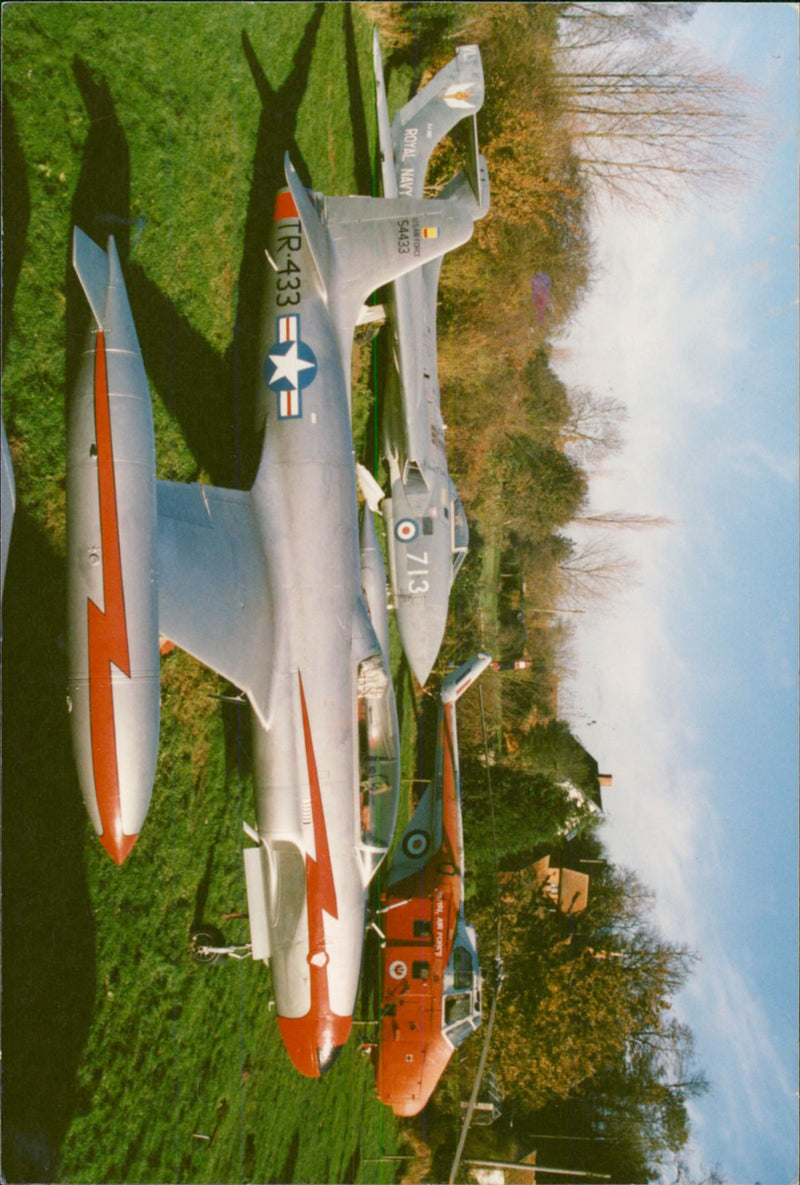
(650, 120)
(623, 520)
(593, 573)
(585, 26)
(593, 428)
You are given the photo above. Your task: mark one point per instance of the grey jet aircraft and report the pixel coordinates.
(263, 586)
(426, 528)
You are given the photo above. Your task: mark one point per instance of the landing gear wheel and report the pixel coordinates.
(204, 944)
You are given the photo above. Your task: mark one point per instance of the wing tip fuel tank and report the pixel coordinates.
(111, 518)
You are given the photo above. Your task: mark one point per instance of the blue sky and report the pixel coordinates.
(691, 676)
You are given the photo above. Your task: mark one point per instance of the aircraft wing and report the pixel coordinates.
(213, 596)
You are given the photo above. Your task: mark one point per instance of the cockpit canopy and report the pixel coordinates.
(379, 763)
(461, 999)
(460, 533)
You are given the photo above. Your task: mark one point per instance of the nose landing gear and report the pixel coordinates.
(207, 946)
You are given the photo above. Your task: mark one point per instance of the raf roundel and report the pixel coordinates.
(416, 843)
(406, 530)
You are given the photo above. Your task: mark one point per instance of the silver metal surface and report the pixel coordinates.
(264, 586)
(427, 534)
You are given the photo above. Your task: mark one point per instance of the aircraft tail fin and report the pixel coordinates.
(361, 243)
(406, 146)
(459, 681)
(471, 186)
(91, 265)
(451, 95)
(376, 240)
(318, 241)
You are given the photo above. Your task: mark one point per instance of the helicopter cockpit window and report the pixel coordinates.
(459, 1033)
(456, 1007)
(462, 968)
(460, 534)
(461, 1012)
(379, 765)
(461, 1006)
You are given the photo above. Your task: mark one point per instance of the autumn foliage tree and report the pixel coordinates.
(586, 1011)
(579, 97)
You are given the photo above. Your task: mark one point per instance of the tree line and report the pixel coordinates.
(583, 101)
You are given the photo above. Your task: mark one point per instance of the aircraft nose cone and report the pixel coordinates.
(117, 844)
(421, 625)
(314, 1045)
(328, 1057)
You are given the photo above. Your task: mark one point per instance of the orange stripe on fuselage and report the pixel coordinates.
(284, 206)
(108, 636)
(321, 1028)
(321, 888)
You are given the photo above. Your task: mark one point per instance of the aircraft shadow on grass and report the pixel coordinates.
(16, 214)
(48, 940)
(48, 935)
(48, 932)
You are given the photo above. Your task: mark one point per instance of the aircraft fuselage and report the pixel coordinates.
(427, 535)
(430, 977)
(306, 761)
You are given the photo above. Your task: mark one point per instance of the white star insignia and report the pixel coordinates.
(288, 366)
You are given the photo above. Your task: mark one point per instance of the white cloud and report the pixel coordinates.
(752, 1092)
(752, 459)
(664, 824)
(760, 269)
(679, 678)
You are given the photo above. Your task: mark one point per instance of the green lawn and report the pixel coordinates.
(164, 124)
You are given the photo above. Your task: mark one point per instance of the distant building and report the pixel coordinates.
(586, 805)
(561, 889)
(564, 888)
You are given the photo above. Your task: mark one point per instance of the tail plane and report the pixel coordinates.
(358, 244)
(461, 680)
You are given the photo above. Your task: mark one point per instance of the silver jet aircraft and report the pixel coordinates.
(426, 528)
(263, 586)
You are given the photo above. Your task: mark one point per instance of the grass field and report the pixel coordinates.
(166, 125)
